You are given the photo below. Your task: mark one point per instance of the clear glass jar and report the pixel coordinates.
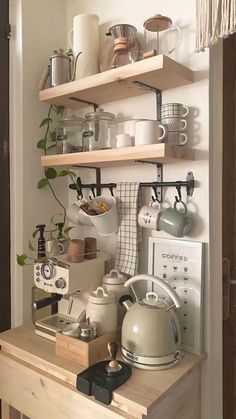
(69, 133)
(99, 131)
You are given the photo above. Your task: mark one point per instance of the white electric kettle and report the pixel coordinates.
(150, 335)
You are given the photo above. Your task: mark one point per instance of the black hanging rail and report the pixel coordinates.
(189, 184)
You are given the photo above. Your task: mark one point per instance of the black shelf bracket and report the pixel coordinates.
(158, 94)
(159, 166)
(76, 99)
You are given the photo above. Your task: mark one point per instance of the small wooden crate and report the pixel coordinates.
(85, 353)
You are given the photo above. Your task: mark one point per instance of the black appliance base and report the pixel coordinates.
(95, 381)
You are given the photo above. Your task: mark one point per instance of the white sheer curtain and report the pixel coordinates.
(215, 19)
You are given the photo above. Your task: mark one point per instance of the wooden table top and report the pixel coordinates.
(141, 392)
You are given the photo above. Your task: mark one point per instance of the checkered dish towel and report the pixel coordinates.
(128, 195)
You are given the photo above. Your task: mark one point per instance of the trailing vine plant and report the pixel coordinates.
(47, 144)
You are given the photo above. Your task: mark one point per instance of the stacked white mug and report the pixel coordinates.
(172, 115)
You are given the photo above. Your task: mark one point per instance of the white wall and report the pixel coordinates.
(37, 28)
(197, 97)
(144, 106)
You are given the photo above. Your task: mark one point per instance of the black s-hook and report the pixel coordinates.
(154, 188)
(179, 197)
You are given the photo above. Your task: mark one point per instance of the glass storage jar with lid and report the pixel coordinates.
(100, 130)
(69, 133)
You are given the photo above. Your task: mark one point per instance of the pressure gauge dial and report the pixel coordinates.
(47, 270)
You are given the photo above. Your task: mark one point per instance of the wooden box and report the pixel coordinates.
(85, 353)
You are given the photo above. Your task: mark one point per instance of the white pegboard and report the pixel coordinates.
(179, 263)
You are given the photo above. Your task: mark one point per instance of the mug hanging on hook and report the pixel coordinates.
(184, 207)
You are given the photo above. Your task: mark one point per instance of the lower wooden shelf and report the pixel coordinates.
(160, 153)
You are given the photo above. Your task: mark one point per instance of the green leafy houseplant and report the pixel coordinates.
(46, 144)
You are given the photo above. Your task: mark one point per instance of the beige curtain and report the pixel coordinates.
(215, 19)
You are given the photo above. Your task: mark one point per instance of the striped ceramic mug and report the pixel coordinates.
(170, 110)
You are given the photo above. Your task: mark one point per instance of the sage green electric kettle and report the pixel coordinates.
(150, 335)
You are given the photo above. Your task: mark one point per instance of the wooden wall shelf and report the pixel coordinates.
(160, 72)
(161, 153)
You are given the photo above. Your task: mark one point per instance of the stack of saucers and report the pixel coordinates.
(173, 116)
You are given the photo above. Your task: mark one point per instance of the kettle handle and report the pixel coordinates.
(158, 281)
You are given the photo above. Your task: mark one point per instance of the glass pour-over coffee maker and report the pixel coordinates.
(125, 48)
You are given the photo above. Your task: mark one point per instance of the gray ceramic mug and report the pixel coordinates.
(174, 222)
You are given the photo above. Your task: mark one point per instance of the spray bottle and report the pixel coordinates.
(41, 241)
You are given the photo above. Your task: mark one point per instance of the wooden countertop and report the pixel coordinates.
(141, 393)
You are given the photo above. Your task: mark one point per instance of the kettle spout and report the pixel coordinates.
(126, 301)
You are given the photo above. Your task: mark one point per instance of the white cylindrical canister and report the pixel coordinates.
(102, 310)
(114, 282)
(86, 40)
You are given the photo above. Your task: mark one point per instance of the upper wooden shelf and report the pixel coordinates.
(160, 72)
(161, 153)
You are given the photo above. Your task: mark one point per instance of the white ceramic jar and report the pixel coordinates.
(114, 282)
(102, 310)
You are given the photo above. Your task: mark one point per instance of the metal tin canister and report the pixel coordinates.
(60, 70)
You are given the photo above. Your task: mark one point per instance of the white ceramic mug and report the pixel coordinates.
(177, 138)
(123, 140)
(129, 127)
(149, 132)
(76, 215)
(148, 215)
(174, 110)
(106, 223)
(175, 124)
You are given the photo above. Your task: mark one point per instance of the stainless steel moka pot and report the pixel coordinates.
(150, 335)
(61, 68)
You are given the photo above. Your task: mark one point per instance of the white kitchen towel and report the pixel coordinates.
(128, 196)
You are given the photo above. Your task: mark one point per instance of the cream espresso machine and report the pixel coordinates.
(70, 284)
